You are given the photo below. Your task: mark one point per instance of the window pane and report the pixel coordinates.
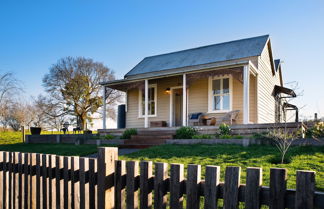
(225, 85)
(216, 102)
(152, 110)
(226, 102)
(151, 94)
(216, 86)
(151, 101)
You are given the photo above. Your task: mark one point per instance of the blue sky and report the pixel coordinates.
(35, 34)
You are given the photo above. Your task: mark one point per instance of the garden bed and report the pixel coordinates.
(244, 142)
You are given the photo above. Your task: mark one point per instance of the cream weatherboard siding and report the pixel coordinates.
(163, 102)
(197, 100)
(266, 83)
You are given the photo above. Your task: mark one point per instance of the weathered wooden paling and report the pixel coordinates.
(211, 186)
(253, 188)
(160, 198)
(145, 186)
(176, 186)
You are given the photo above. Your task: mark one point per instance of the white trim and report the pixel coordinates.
(126, 101)
(145, 104)
(184, 100)
(171, 104)
(210, 93)
(104, 115)
(246, 94)
(140, 114)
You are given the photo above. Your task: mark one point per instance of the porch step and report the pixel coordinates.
(157, 132)
(151, 137)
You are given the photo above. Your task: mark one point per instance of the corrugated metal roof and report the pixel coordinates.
(202, 55)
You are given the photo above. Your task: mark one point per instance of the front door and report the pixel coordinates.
(177, 107)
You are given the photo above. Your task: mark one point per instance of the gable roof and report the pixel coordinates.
(226, 51)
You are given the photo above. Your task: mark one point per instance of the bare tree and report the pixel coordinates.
(74, 85)
(9, 89)
(9, 86)
(282, 138)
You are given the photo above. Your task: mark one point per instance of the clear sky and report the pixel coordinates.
(35, 34)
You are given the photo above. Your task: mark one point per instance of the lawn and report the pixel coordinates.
(300, 158)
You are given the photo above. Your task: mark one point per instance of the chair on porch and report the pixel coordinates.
(229, 117)
(196, 119)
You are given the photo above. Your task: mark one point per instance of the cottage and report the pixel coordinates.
(238, 82)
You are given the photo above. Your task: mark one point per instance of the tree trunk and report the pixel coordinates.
(83, 122)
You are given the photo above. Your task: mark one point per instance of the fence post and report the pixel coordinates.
(106, 169)
(305, 188)
(253, 187)
(231, 188)
(211, 186)
(192, 187)
(278, 183)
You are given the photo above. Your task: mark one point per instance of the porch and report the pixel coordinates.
(170, 100)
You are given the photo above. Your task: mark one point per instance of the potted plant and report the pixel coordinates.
(35, 130)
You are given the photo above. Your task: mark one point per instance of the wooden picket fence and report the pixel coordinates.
(42, 181)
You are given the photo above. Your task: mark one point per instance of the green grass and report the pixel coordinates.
(58, 149)
(300, 158)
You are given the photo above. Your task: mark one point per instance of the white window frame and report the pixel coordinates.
(140, 99)
(210, 93)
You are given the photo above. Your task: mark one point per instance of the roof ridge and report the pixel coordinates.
(199, 47)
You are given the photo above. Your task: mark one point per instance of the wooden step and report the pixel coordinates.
(156, 132)
(151, 137)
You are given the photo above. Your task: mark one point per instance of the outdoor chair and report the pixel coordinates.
(196, 119)
(229, 117)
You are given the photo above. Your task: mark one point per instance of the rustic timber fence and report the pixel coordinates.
(44, 181)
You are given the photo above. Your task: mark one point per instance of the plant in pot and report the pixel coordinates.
(36, 129)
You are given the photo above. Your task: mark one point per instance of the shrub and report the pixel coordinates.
(203, 136)
(263, 135)
(237, 137)
(128, 133)
(317, 131)
(224, 129)
(185, 133)
(109, 137)
(225, 136)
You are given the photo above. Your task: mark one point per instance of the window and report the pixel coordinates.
(220, 94)
(151, 101)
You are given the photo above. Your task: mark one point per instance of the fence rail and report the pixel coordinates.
(30, 180)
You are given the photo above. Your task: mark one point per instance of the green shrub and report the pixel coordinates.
(237, 137)
(109, 137)
(263, 135)
(317, 131)
(128, 133)
(203, 136)
(225, 136)
(185, 133)
(224, 129)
